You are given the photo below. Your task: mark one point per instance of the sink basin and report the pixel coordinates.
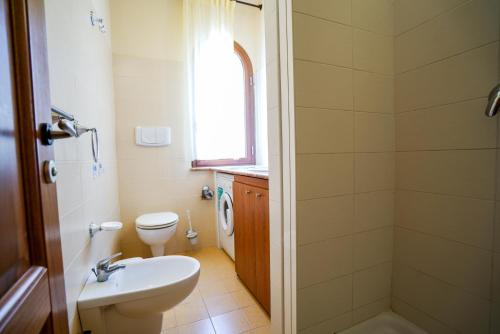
(144, 287)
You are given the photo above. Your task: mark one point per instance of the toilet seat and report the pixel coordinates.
(156, 221)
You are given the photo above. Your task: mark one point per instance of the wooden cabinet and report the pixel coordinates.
(251, 236)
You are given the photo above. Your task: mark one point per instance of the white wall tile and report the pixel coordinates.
(450, 305)
(339, 11)
(374, 15)
(467, 76)
(324, 260)
(324, 301)
(322, 86)
(322, 41)
(373, 52)
(432, 128)
(409, 13)
(324, 175)
(373, 92)
(322, 123)
(447, 216)
(372, 284)
(324, 218)
(372, 248)
(373, 210)
(440, 38)
(374, 132)
(466, 267)
(374, 171)
(461, 172)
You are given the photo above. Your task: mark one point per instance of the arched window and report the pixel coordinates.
(236, 131)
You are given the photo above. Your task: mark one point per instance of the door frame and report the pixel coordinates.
(32, 100)
(288, 171)
(282, 204)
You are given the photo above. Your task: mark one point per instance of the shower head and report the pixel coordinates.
(493, 102)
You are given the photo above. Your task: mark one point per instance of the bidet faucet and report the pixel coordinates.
(103, 269)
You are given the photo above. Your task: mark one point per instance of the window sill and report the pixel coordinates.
(198, 169)
(235, 170)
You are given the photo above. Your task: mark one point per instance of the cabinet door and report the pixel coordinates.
(244, 234)
(261, 228)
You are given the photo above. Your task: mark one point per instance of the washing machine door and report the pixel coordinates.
(226, 214)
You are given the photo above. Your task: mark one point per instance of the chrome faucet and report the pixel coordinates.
(103, 269)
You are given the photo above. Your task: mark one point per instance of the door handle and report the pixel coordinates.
(248, 192)
(258, 195)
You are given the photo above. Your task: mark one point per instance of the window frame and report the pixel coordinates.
(249, 158)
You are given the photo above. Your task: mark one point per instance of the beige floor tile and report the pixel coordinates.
(243, 298)
(199, 327)
(190, 312)
(194, 297)
(233, 284)
(212, 288)
(169, 320)
(220, 304)
(220, 295)
(260, 330)
(256, 316)
(231, 323)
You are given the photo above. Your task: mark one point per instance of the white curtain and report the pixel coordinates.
(210, 67)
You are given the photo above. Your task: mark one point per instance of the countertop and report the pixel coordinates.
(261, 172)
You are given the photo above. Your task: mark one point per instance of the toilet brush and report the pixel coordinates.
(191, 234)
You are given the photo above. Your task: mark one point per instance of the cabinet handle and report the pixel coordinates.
(258, 195)
(248, 192)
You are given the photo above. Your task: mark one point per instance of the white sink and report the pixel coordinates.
(145, 287)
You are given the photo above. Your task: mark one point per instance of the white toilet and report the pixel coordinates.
(155, 229)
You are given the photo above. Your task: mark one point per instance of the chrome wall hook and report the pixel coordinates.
(97, 21)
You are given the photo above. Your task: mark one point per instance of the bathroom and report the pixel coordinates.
(370, 154)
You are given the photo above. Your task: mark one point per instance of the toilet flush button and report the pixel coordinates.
(153, 136)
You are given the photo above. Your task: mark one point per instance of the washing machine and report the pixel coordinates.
(224, 208)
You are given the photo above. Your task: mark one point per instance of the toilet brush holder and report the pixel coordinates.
(191, 234)
(192, 237)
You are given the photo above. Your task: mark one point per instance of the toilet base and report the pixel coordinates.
(158, 250)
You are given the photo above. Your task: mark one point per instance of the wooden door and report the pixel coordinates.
(32, 297)
(244, 235)
(261, 228)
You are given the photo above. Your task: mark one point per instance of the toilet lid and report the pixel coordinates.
(157, 220)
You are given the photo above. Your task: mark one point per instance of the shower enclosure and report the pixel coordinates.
(397, 178)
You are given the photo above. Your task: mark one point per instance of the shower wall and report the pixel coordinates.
(396, 165)
(446, 241)
(344, 132)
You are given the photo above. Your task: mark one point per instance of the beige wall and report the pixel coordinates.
(149, 81)
(81, 83)
(446, 265)
(344, 124)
